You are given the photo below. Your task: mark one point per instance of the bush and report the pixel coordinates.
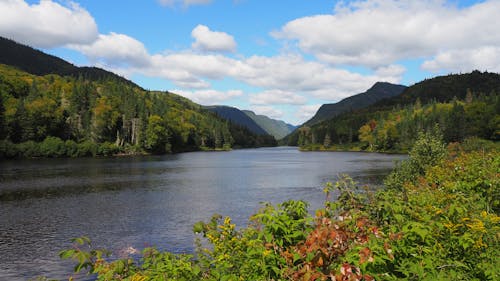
(108, 149)
(428, 150)
(52, 147)
(28, 149)
(7, 149)
(71, 148)
(87, 148)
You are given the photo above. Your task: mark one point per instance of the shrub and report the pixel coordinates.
(52, 147)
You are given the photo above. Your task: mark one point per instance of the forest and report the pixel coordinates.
(65, 116)
(458, 106)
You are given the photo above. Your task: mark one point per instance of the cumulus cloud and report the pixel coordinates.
(268, 111)
(380, 32)
(482, 58)
(279, 75)
(277, 97)
(116, 50)
(212, 41)
(185, 3)
(292, 73)
(47, 24)
(306, 112)
(209, 97)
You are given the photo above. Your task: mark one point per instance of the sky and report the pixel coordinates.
(281, 58)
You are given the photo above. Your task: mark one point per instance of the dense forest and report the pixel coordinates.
(458, 106)
(52, 116)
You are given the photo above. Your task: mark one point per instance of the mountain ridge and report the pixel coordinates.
(277, 128)
(379, 91)
(39, 63)
(236, 116)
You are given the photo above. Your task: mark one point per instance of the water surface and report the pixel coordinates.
(152, 201)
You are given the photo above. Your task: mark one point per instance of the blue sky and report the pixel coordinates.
(279, 58)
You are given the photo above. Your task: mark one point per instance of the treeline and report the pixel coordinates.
(36, 111)
(387, 126)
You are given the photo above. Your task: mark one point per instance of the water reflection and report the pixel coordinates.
(145, 201)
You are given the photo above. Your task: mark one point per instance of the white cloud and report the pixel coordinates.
(209, 97)
(268, 111)
(292, 73)
(212, 41)
(47, 24)
(116, 50)
(380, 32)
(277, 97)
(185, 3)
(306, 112)
(482, 58)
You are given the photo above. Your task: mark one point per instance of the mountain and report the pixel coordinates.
(379, 91)
(456, 106)
(237, 116)
(39, 63)
(51, 108)
(447, 87)
(277, 128)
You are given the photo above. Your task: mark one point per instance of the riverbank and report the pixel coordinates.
(469, 144)
(349, 147)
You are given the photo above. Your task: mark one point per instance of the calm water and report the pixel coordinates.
(145, 201)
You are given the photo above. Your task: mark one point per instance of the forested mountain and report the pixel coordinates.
(238, 117)
(80, 114)
(379, 91)
(457, 106)
(446, 88)
(277, 128)
(38, 63)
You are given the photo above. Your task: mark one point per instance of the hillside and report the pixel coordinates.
(277, 128)
(460, 105)
(237, 116)
(379, 91)
(446, 88)
(39, 63)
(52, 115)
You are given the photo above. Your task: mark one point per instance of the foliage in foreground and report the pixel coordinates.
(443, 224)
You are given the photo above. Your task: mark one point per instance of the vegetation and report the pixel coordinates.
(54, 116)
(393, 124)
(51, 108)
(437, 219)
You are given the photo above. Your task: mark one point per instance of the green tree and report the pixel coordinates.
(157, 135)
(428, 150)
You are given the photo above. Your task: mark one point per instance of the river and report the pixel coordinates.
(152, 201)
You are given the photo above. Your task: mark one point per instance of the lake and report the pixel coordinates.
(153, 200)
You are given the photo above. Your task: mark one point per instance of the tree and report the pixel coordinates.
(327, 141)
(157, 135)
(366, 135)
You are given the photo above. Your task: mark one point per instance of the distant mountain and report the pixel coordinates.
(39, 63)
(238, 117)
(379, 91)
(277, 128)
